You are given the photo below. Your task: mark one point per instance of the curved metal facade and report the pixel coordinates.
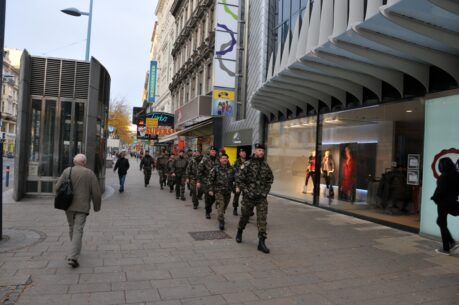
(350, 53)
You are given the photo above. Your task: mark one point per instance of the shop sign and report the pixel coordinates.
(152, 122)
(137, 112)
(237, 138)
(155, 124)
(223, 102)
(452, 153)
(152, 82)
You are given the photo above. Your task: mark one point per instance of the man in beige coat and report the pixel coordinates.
(85, 188)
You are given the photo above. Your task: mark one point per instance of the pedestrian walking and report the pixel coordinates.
(192, 176)
(178, 171)
(85, 189)
(237, 168)
(205, 166)
(161, 167)
(445, 197)
(122, 165)
(170, 178)
(255, 180)
(221, 184)
(147, 164)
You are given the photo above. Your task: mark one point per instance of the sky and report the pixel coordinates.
(120, 40)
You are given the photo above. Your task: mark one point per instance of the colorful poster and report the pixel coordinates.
(152, 82)
(223, 102)
(155, 124)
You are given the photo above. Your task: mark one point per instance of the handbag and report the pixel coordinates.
(64, 195)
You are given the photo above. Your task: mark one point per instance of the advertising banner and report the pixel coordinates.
(136, 112)
(155, 124)
(441, 140)
(152, 82)
(223, 102)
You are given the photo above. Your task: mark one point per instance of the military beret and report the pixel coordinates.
(213, 148)
(242, 149)
(259, 145)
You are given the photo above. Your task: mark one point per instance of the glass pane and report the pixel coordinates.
(47, 187)
(65, 140)
(286, 10)
(35, 131)
(79, 123)
(292, 157)
(279, 12)
(32, 186)
(48, 138)
(294, 20)
(303, 3)
(295, 5)
(366, 168)
(285, 29)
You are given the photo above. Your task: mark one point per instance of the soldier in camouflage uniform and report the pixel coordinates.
(221, 183)
(204, 168)
(147, 164)
(254, 180)
(161, 166)
(192, 176)
(237, 167)
(170, 178)
(178, 171)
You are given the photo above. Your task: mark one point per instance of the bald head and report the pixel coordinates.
(79, 159)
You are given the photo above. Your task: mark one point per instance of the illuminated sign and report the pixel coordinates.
(152, 82)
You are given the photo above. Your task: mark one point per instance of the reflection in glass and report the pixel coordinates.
(65, 129)
(79, 123)
(35, 131)
(48, 138)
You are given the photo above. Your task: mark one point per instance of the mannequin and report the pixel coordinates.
(310, 170)
(327, 170)
(349, 179)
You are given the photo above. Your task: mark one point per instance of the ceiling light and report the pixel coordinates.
(409, 111)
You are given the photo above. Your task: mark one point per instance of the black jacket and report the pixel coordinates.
(447, 188)
(122, 164)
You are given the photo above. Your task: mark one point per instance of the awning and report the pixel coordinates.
(346, 53)
(192, 130)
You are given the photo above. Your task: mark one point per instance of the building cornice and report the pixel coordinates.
(175, 7)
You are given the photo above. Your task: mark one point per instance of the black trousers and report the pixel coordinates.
(445, 209)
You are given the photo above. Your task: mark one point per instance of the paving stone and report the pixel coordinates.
(89, 287)
(143, 295)
(131, 285)
(208, 300)
(242, 296)
(103, 277)
(183, 292)
(148, 275)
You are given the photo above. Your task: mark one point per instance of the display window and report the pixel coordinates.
(369, 161)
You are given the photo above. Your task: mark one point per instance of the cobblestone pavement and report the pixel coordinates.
(138, 250)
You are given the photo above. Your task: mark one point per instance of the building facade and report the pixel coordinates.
(361, 100)
(9, 102)
(162, 53)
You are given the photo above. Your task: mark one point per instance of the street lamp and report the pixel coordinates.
(77, 13)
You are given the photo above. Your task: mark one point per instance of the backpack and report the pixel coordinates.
(64, 196)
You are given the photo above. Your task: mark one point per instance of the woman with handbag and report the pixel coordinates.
(85, 189)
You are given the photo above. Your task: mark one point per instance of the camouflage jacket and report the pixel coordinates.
(204, 168)
(192, 168)
(161, 163)
(255, 178)
(147, 163)
(169, 166)
(221, 179)
(237, 165)
(179, 166)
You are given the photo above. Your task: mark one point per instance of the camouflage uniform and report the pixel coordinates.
(237, 169)
(178, 168)
(221, 183)
(147, 165)
(192, 175)
(254, 180)
(161, 166)
(205, 166)
(170, 179)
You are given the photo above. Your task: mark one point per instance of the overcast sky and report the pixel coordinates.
(121, 33)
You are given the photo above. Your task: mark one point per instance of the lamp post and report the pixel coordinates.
(77, 13)
(2, 41)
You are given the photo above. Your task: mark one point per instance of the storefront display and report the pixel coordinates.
(364, 160)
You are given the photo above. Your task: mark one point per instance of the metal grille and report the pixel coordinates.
(53, 69)
(37, 83)
(209, 235)
(68, 79)
(82, 80)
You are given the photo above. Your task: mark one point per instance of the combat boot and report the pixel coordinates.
(221, 224)
(235, 212)
(239, 236)
(261, 245)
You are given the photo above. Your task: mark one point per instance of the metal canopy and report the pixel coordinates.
(337, 54)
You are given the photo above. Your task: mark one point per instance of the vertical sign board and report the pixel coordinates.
(224, 67)
(441, 140)
(152, 82)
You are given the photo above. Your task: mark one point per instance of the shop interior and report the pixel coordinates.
(371, 161)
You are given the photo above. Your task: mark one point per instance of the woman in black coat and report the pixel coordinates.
(445, 197)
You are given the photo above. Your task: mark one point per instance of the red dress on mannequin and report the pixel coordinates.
(349, 179)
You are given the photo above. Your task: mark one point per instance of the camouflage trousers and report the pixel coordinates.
(179, 186)
(170, 181)
(147, 175)
(195, 192)
(209, 200)
(221, 202)
(236, 200)
(261, 204)
(162, 177)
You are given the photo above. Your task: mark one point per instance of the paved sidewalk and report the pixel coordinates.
(138, 250)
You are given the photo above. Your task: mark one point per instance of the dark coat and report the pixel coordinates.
(447, 188)
(122, 164)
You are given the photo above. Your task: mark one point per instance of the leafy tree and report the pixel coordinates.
(118, 117)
